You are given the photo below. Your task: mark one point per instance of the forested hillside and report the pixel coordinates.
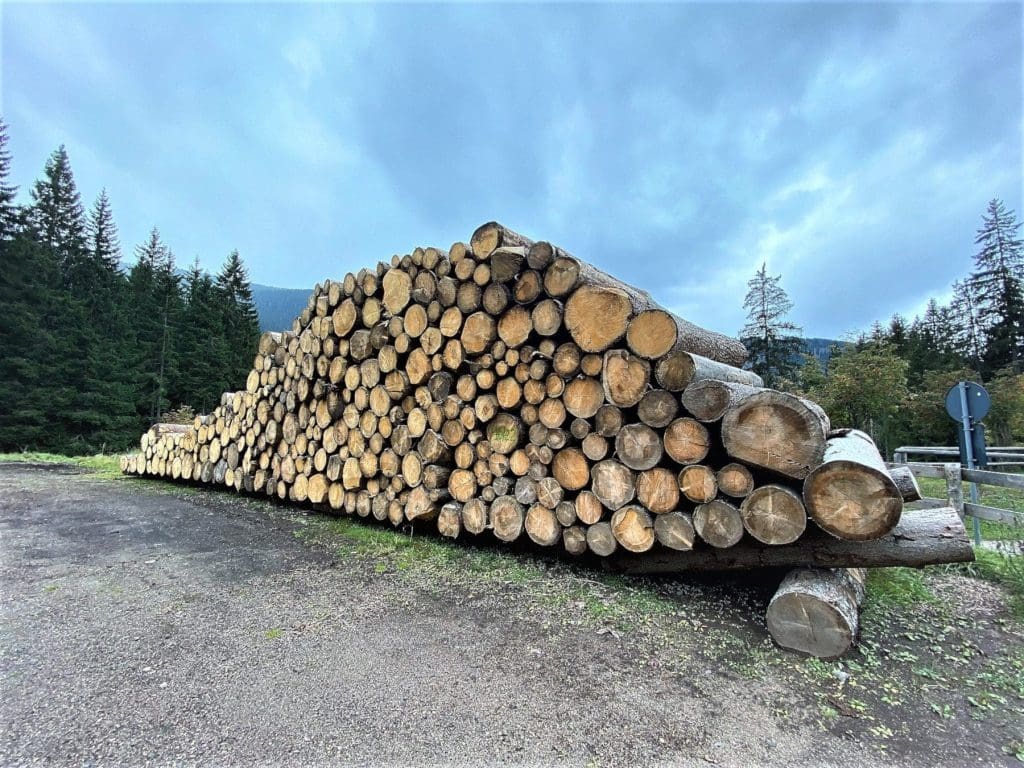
(277, 307)
(95, 350)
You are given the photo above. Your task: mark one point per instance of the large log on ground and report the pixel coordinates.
(817, 610)
(851, 494)
(776, 431)
(922, 537)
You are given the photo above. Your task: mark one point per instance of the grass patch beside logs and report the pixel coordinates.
(104, 465)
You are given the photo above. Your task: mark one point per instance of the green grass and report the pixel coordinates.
(898, 586)
(105, 465)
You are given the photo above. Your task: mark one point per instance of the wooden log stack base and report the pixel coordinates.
(504, 388)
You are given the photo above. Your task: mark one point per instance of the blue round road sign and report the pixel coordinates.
(978, 401)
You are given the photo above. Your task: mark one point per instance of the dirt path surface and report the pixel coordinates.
(144, 623)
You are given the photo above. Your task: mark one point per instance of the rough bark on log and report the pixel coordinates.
(817, 610)
(708, 400)
(490, 236)
(906, 483)
(922, 537)
(600, 309)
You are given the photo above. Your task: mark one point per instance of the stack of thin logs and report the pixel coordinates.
(506, 387)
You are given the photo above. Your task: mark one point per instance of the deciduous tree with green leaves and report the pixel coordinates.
(865, 388)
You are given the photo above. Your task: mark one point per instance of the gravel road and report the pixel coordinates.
(148, 625)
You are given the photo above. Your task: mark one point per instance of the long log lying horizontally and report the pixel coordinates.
(923, 537)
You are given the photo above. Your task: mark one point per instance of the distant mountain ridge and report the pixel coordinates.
(822, 348)
(277, 308)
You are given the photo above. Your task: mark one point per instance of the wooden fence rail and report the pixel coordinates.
(955, 476)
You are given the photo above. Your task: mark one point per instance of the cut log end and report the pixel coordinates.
(816, 611)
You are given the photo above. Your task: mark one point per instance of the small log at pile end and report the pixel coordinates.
(817, 610)
(906, 483)
(851, 494)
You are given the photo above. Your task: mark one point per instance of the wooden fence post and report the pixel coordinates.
(954, 488)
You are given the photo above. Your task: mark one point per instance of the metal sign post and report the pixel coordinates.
(968, 403)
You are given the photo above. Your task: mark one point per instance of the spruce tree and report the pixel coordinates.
(773, 341)
(241, 320)
(8, 210)
(157, 309)
(998, 283)
(57, 214)
(103, 240)
(968, 334)
(929, 343)
(204, 354)
(36, 395)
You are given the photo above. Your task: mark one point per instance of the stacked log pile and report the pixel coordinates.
(506, 388)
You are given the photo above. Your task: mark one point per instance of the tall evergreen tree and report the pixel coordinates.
(103, 240)
(998, 282)
(968, 334)
(241, 320)
(205, 357)
(8, 210)
(37, 393)
(773, 341)
(57, 214)
(157, 309)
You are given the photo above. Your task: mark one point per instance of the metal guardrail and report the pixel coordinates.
(1013, 456)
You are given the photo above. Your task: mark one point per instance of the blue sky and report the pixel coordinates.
(852, 147)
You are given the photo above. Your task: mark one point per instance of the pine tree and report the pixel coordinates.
(157, 309)
(103, 240)
(8, 210)
(773, 341)
(998, 283)
(968, 334)
(241, 320)
(57, 214)
(36, 393)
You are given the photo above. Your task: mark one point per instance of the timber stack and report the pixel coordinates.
(506, 388)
